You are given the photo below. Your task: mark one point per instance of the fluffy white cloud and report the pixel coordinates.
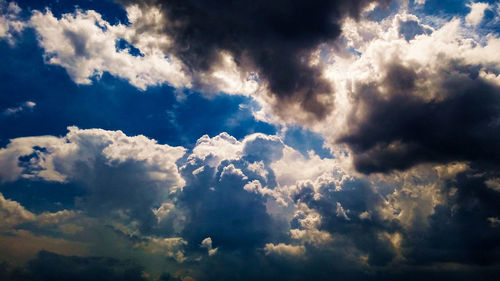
(55, 159)
(230, 170)
(308, 232)
(294, 167)
(85, 45)
(12, 214)
(256, 187)
(214, 150)
(476, 13)
(10, 23)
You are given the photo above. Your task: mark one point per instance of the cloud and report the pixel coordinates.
(410, 190)
(429, 99)
(167, 247)
(28, 105)
(284, 249)
(207, 244)
(12, 213)
(202, 36)
(86, 46)
(10, 22)
(117, 172)
(476, 13)
(54, 267)
(362, 222)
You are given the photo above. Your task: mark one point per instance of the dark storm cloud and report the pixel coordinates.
(50, 266)
(401, 129)
(461, 231)
(274, 37)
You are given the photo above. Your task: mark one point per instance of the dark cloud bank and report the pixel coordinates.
(401, 129)
(275, 38)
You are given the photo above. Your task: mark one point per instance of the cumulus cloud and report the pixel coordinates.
(244, 201)
(86, 46)
(117, 172)
(10, 22)
(53, 158)
(411, 123)
(413, 96)
(476, 13)
(12, 213)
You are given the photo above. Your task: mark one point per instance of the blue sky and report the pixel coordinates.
(191, 140)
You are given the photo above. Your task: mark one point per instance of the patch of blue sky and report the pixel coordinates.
(447, 8)
(304, 140)
(437, 13)
(383, 11)
(39, 196)
(123, 44)
(111, 103)
(110, 10)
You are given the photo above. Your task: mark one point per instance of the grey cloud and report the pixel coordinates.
(50, 266)
(275, 38)
(401, 128)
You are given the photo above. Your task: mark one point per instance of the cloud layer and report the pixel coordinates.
(380, 161)
(245, 202)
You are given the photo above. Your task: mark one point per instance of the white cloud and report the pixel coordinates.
(12, 214)
(231, 170)
(10, 23)
(28, 105)
(124, 178)
(309, 221)
(258, 168)
(54, 159)
(85, 45)
(285, 249)
(207, 244)
(214, 150)
(256, 187)
(476, 13)
(294, 167)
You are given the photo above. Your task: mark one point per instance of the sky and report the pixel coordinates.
(249, 140)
